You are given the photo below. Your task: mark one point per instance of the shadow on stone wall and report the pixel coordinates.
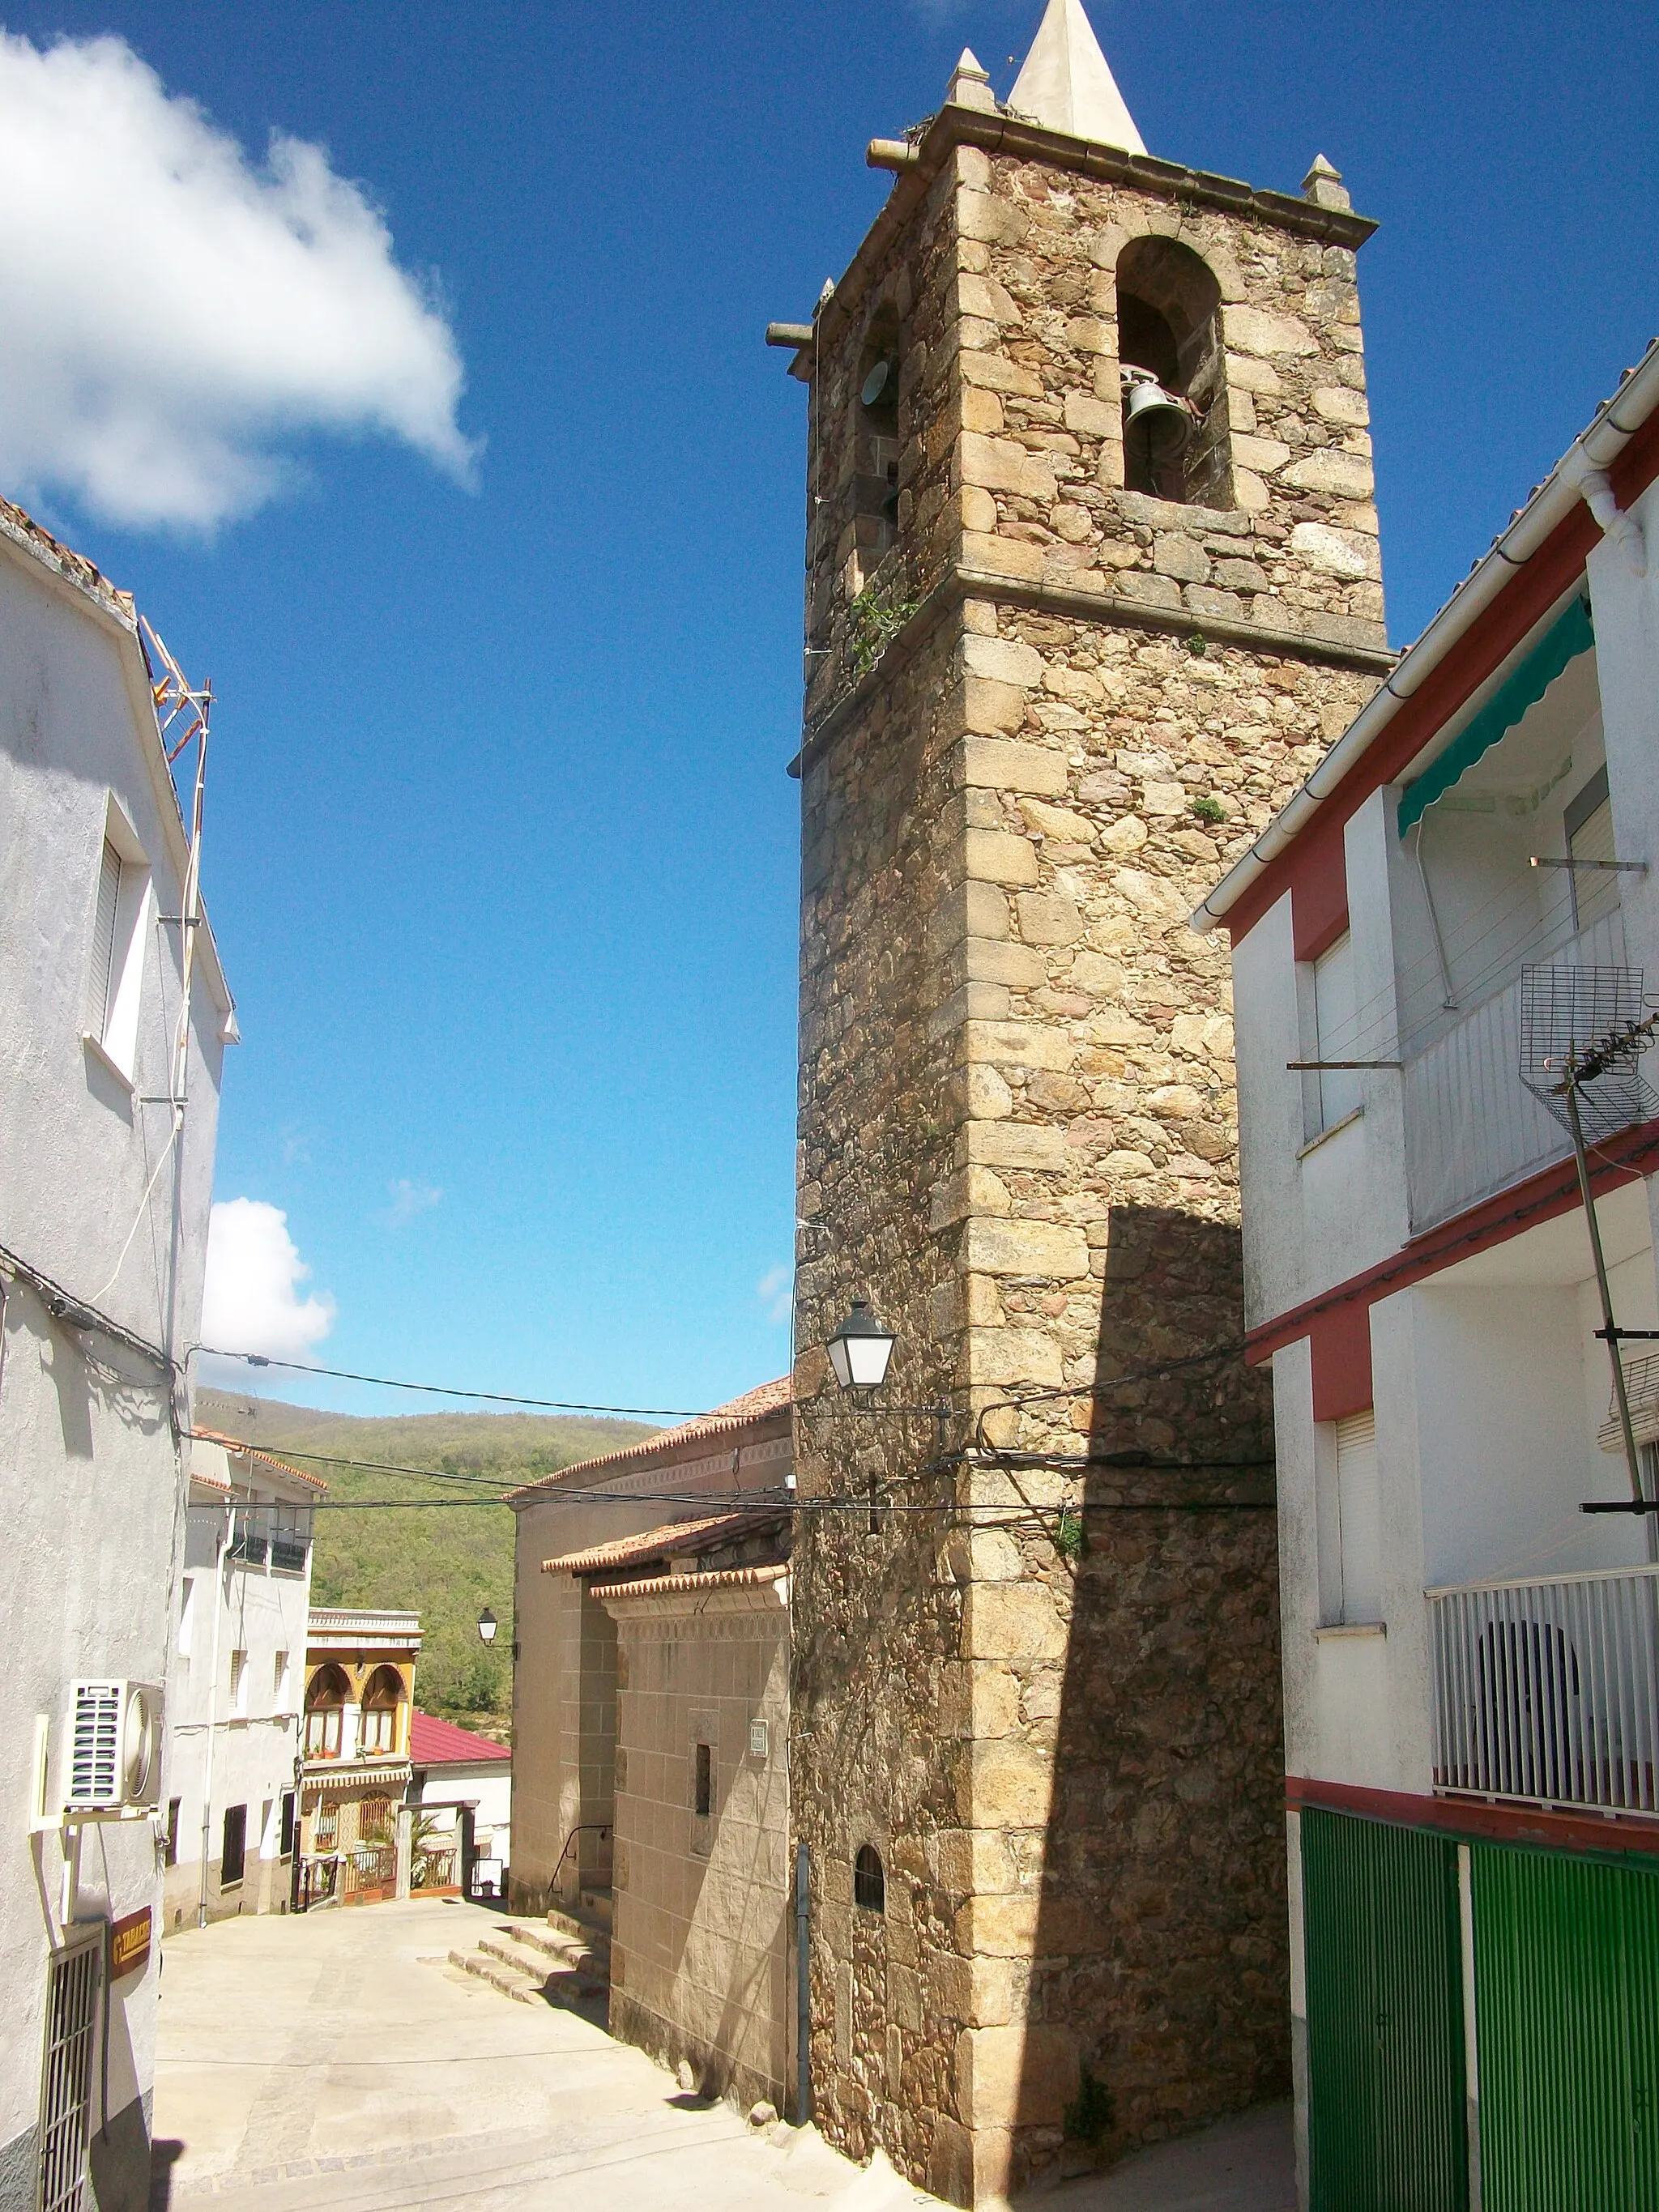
(1159, 1995)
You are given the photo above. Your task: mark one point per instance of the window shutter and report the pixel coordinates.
(1359, 1505)
(103, 938)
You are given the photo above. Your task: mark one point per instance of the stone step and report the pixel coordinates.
(599, 1905)
(587, 1954)
(527, 1985)
(577, 1928)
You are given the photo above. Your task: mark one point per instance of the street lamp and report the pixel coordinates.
(860, 1349)
(486, 1626)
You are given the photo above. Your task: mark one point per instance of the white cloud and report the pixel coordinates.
(252, 1301)
(171, 313)
(409, 1198)
(776, 1292)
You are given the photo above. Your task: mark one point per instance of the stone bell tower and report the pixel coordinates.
(1092, 579)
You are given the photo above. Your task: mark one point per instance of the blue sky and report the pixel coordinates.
(501, 851)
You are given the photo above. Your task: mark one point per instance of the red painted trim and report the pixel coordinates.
(1541, 1197)
(1342, 1347)
(1319, 895)
(1478, 1820)
(1476, 655)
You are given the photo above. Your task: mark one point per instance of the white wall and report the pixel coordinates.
(90, 1480)
(262, 1613)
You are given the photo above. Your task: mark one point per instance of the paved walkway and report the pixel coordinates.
(338, 2064)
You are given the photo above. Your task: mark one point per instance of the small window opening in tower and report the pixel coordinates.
(869, 1880)
(1173, 367)
(876, 435)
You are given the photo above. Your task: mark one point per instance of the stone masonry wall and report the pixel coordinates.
(1050, 1694)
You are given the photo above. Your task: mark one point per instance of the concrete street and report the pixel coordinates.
(340, 2061)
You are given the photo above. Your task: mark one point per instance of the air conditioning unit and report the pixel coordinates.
(114, 1746)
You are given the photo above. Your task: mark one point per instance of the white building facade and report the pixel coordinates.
(233, 1700)
(462, 1796)
(1431, 937)
(106, 1175)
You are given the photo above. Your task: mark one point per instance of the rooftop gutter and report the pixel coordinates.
(1581, 473)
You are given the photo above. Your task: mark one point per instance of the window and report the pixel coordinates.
(234, 1850)
(279, 1680)
(869, 1880)
(325, 1697)
(1590, 839)
(1336, 1029)
(1359, 1516)
(704, 1800)
(381, 1697)
(285, 1845)
(173, 1804)
(239, 1685)
(876, 432)
(121, 905)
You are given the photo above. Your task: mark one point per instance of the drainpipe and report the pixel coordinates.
(1594, 488)
(213, 1707)
(803, 1990)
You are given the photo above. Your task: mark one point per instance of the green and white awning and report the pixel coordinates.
(1569, 635)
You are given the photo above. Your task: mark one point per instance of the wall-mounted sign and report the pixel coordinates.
(128, 1944)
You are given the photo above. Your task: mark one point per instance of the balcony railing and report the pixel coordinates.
(1548, 1692)
(1471, 1127)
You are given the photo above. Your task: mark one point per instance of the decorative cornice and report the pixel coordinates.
(1024, 141)
(1109, 609)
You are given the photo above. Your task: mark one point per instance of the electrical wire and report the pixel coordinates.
(441, 1390)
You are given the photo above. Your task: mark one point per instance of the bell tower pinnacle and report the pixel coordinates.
(1093, 577)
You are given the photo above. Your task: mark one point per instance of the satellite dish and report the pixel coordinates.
(876, 382)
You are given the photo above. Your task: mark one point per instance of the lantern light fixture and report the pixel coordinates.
(486, 1626)
(860, 1349)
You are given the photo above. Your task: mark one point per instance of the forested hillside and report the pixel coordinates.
(445, 1564)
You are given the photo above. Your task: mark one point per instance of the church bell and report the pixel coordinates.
(1152, 415)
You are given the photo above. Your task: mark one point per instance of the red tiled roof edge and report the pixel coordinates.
(673, 1585)
(434, 1743)
(252, 1451)
(762, 1403)
(670, 1537)
(74, 567)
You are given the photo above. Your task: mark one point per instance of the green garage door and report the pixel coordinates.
(1566, 1981)
(1386, 2105)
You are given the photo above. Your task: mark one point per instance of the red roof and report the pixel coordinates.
(757, 1404)
(252, 1451)
(672, 1539)
(432, 1742)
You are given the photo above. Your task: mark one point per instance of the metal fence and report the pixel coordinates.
(1548, 1692)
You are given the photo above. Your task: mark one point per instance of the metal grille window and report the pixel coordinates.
(1360, 1512)
(286, 1848)
(73, 1980)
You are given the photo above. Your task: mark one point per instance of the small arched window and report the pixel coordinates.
(1169, 335)
(382, 1695)
(325, 1697)
(869, 1881)
(876, 436)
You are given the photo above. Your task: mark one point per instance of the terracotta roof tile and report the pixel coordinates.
(757, 1404)
(252, 1451)
(74, 567)
(674, 1585)
(672, 1538)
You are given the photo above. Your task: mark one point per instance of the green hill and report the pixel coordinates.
(445, 1565)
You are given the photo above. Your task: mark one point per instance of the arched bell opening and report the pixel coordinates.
(876, 439)
(1172, 367)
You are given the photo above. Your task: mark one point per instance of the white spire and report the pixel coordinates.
(1066, 85)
